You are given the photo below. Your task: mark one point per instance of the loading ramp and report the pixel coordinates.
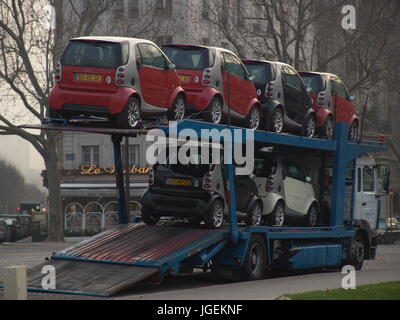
(123, 256)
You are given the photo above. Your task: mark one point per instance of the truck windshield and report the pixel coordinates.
(314, 81)
(94, 54)
(188, 58)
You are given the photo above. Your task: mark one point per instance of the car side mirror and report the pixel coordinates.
(308, 179)
(171, 67)
(251, 77)
(309, 89)
(352, 98)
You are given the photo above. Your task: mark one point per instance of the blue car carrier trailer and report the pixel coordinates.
(129, 253)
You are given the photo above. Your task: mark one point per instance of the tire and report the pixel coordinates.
(328, 128)
(276, 123)
(253, 120)
(312, 216)
(254, 214)
(53, 113)
(148, 217)
(356, 252)
(255, 262)
(309, 126)
(277, 217)
(130, 117)
(214, 218)
(178, 110)
(214, 111)
(353, 131)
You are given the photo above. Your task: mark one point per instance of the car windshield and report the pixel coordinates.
(261, 72)
(314, 81)
(189, 58)
(95, 54)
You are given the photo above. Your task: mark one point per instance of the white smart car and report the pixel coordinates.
(285, 190)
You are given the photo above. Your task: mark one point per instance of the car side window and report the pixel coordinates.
(264, 168)
(292, 78)
(152, 56)
(339, 88)
(293, 170)
(368, 179)
(234, 66)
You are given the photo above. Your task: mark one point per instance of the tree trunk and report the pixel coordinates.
(56, 216)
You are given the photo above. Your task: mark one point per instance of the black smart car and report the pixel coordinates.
(285, 103)
(198, 193)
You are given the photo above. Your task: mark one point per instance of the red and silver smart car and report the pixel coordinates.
(124, 79)
(331, 102)
(206, 73)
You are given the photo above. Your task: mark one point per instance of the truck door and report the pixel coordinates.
(367, 204)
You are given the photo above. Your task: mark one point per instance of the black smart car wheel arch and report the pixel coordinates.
(149, 217)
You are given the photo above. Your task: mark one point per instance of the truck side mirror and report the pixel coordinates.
(385, 184)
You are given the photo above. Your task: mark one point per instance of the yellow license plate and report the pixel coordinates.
(185, 78)
(179, 182)
(88, 77)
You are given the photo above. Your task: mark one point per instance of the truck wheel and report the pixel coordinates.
(129, 118)
(277, 217)
(214, 218)
(312, 216)
(148, 217)
(213, 114)
(254, 214)
(255, 263)
(178, 109)
(357, 252)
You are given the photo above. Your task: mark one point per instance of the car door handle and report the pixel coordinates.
(364, 204)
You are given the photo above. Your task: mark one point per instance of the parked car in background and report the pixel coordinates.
(206, 73)
(198, 193)
(5, 232)
(388, 230)
(283, 95)
(124, 79)
(331, 102)
(19, 225)
(285, 190)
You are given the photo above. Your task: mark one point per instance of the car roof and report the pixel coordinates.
(325, 74)
(198, 46)
(266, 62)
(112, 39)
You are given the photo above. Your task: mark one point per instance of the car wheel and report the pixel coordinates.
(255, 262)
(214, 218)
(214, 111)
(309, 126)
(254, 214)
(277, 217)
(53, 113)
(357, 252)
(312, 216)
(253, 120)
(130, 118)
(277, 121)
(328, 128)
(353, 131)
(149, 217)
(178, 110)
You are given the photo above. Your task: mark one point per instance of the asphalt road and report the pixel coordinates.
(201, 286)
